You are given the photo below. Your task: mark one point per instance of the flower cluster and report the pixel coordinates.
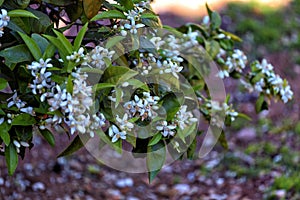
(182, 119)
(75, 107)
(268, 82)
(96, 58)
(4, 20)
(218, 112)
(143, 107)
(133, 20)
(236, 62)
(77, 56)
(42, 78)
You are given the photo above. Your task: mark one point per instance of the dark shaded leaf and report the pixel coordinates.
(48, 137)
(4, 133)
(23, 120)
(156, 156)
(110, 14)
(75, 145)
(91, 7)
(11, 158)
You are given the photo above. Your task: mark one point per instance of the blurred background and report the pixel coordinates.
(263, 158)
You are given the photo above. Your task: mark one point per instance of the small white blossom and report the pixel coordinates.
(15, 100)
(116, 134)
(184, 118)
(286, 94)
(77, 56)
(265, 67)
(96, 57)
(133, 27)
(166, 129)
(4, 18)
(124, 124)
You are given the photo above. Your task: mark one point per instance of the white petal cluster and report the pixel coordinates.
(75, 107)
(20, 144)
(218, 109)
(4, 20)
(123, 127)
(42, 78)
(166, 129)
(184, 118)
(133, 20)
(15, 101)
(116, 134)
(270, 83)
(142, 106)
(77, 56)
(168, 66)
(96, 57)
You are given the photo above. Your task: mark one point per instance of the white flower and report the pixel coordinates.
(223, 73)
(76, 56)
(28, 110)
(133, 27)
(286, 94)
(184, 117)
(166, 129)
(19, 144)
(116, 134)
(265, 67)
(260, 85)
(15, 100)
(96, 57)
(124, 124)
(4, 18)
(172, 67)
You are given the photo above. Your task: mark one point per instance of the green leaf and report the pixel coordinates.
(91, 7)
(111, 14)
(23, 120)
(40, 41)
(212, 47)
(64, 41)
(4, 129)
(16, 54)
(75, 145)
(191, 150)
(49, 51)
(223, 141)
(48, 137)
(112, 41)
(63, 52)
(79, 37)
(128, 4)
(115, 74)
(3, 83)
(149, 15)
(171, 105)
(156, 156)
(60, 2)
(138, 84)
(215, 20)
(1, 2)
(261, 104)
(156, 138)
(101, 86)
(32, 46)
(11, 158)
(21, 13)
(70, 85)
